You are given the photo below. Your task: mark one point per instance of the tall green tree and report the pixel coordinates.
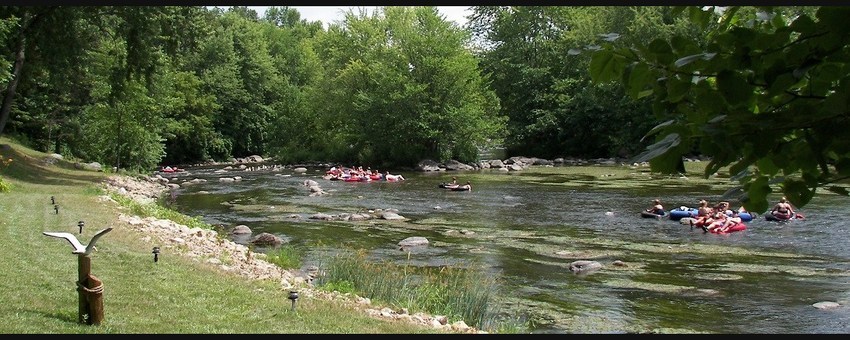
(406, 88)
(61, 72)
(295, 129)
(767, 96)
(236, 67)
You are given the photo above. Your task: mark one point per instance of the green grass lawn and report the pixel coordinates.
(174, 295)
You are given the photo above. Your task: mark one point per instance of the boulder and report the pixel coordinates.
(584, 266)
(241, 230)
(413, 241)
(266, 239)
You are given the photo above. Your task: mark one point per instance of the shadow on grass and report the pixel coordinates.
(70, 317)
(32, 169)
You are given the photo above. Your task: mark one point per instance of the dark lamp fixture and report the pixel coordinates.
(293, 295)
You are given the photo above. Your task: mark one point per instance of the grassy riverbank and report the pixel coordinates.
(174, 295)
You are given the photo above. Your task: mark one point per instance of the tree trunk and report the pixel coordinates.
(28, 20)
(9, 98)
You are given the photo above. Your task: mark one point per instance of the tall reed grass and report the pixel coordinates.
(460, 293)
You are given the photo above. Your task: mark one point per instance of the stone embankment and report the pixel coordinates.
(206, 246)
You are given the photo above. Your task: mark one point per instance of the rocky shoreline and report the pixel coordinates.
(206, 246)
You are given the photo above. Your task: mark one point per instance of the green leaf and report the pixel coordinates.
(657, 128)
(740, 169)
(677, 89)
(603, 66)
(757, 191)
(797, 192)
(803, 24)
(835, 17)
(668, 163)
(687, 60)
(639, 76)
(699, 17)
(609, 36)
(766, 166)
(734, 88)
(644, 93)
(657, 149)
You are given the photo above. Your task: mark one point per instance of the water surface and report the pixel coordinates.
(527, 226)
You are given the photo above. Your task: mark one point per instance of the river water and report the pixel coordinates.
(526, 227)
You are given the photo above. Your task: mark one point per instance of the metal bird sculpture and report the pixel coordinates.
(79, 248)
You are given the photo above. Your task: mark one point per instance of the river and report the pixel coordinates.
(527, 226)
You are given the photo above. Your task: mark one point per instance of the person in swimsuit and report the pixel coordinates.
(782, 209)
(656, 207)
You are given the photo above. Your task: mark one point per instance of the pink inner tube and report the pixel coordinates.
(732, 228)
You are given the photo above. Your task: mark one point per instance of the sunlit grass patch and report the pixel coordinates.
(466, 294)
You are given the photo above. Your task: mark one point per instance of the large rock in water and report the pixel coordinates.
(584, 266)
(241, 230)
(391, 215)
(266, 239)
(413, 242)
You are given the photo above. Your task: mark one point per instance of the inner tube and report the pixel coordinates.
(447, 186)
(731, 229)
(647, 214)
(678, 213)
(459, 188)
(771, 217)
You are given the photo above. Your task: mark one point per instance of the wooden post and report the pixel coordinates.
(90, 290)
(83, 272)
(89, 287)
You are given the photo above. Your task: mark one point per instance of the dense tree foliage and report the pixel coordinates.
(545, 88)
(404, 88)
(761, 89)
(768, 95)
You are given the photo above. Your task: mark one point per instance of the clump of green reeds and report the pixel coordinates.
(286, 256)
(466, 293)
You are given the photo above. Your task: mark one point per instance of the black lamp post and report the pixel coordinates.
(155, 254)
(293, 295)
(81, 224)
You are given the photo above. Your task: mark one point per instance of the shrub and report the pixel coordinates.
(286, 257)
(4, 162)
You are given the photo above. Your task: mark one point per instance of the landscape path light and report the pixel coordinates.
(293, 295)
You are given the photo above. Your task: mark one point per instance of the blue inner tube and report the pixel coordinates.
(678, 214)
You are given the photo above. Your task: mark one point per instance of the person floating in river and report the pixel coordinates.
(782, 209)
(656, 207)
(450, 185)
(465, 187)
(392, 178)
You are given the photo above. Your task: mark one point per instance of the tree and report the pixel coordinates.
(768, 96)
(401, 87)
(545, 88)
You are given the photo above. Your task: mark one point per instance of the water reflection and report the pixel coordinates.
(676, 279)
